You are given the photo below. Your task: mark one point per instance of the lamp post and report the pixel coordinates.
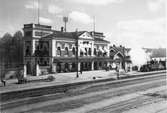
(124, 58)
(76, 36)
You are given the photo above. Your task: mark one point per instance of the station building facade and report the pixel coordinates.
(50, 51)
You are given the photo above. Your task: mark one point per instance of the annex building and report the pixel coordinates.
(50, 51)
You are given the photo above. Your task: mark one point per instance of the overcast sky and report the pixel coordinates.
(128, 22)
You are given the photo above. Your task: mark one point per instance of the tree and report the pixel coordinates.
(5, 42)
(12, 48)
(5, 47)
(18, 47)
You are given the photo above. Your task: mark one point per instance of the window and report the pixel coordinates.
(86, 52)
(58, 51)
(45, 51)
(81, 53)
(95, 53)
(28, 33)
(73, 50)
(37, 51)
(105, 54)
(28, 53)
(66, 50)
(89, 52)
(99, 53)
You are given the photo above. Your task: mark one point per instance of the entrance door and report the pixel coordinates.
(58, 67)
(95, 65)
(82, 66)
(28, 65)
(66, 67)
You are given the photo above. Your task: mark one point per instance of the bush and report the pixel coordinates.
(50, 78)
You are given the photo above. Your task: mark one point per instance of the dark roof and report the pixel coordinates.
(61, 34)
(72, 35)
(101, 40)
(97, 34)
(118, 49)
(65, 34)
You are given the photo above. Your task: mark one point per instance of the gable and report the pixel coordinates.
(119, 54)
(86, 35)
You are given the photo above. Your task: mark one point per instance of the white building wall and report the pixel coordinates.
(92, 48)
(33, 46)
(54, 48)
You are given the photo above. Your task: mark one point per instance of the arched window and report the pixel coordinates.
(58, 51)
(73, 50)
(95, 53)
(66, 50)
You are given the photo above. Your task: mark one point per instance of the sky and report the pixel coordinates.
(131, 23)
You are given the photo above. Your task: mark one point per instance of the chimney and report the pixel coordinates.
(62, 29)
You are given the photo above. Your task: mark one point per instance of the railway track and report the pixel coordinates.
(86, 94)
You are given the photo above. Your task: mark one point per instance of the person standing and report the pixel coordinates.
(117, 70)
(3, 79)
(4, 82)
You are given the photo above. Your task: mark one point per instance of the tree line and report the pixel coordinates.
(11, 50)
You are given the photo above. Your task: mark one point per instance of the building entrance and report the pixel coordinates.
(28, 65)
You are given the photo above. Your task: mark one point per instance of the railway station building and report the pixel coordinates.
(51, 51)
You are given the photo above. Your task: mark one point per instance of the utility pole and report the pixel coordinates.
(76, 36)
(38, 11)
